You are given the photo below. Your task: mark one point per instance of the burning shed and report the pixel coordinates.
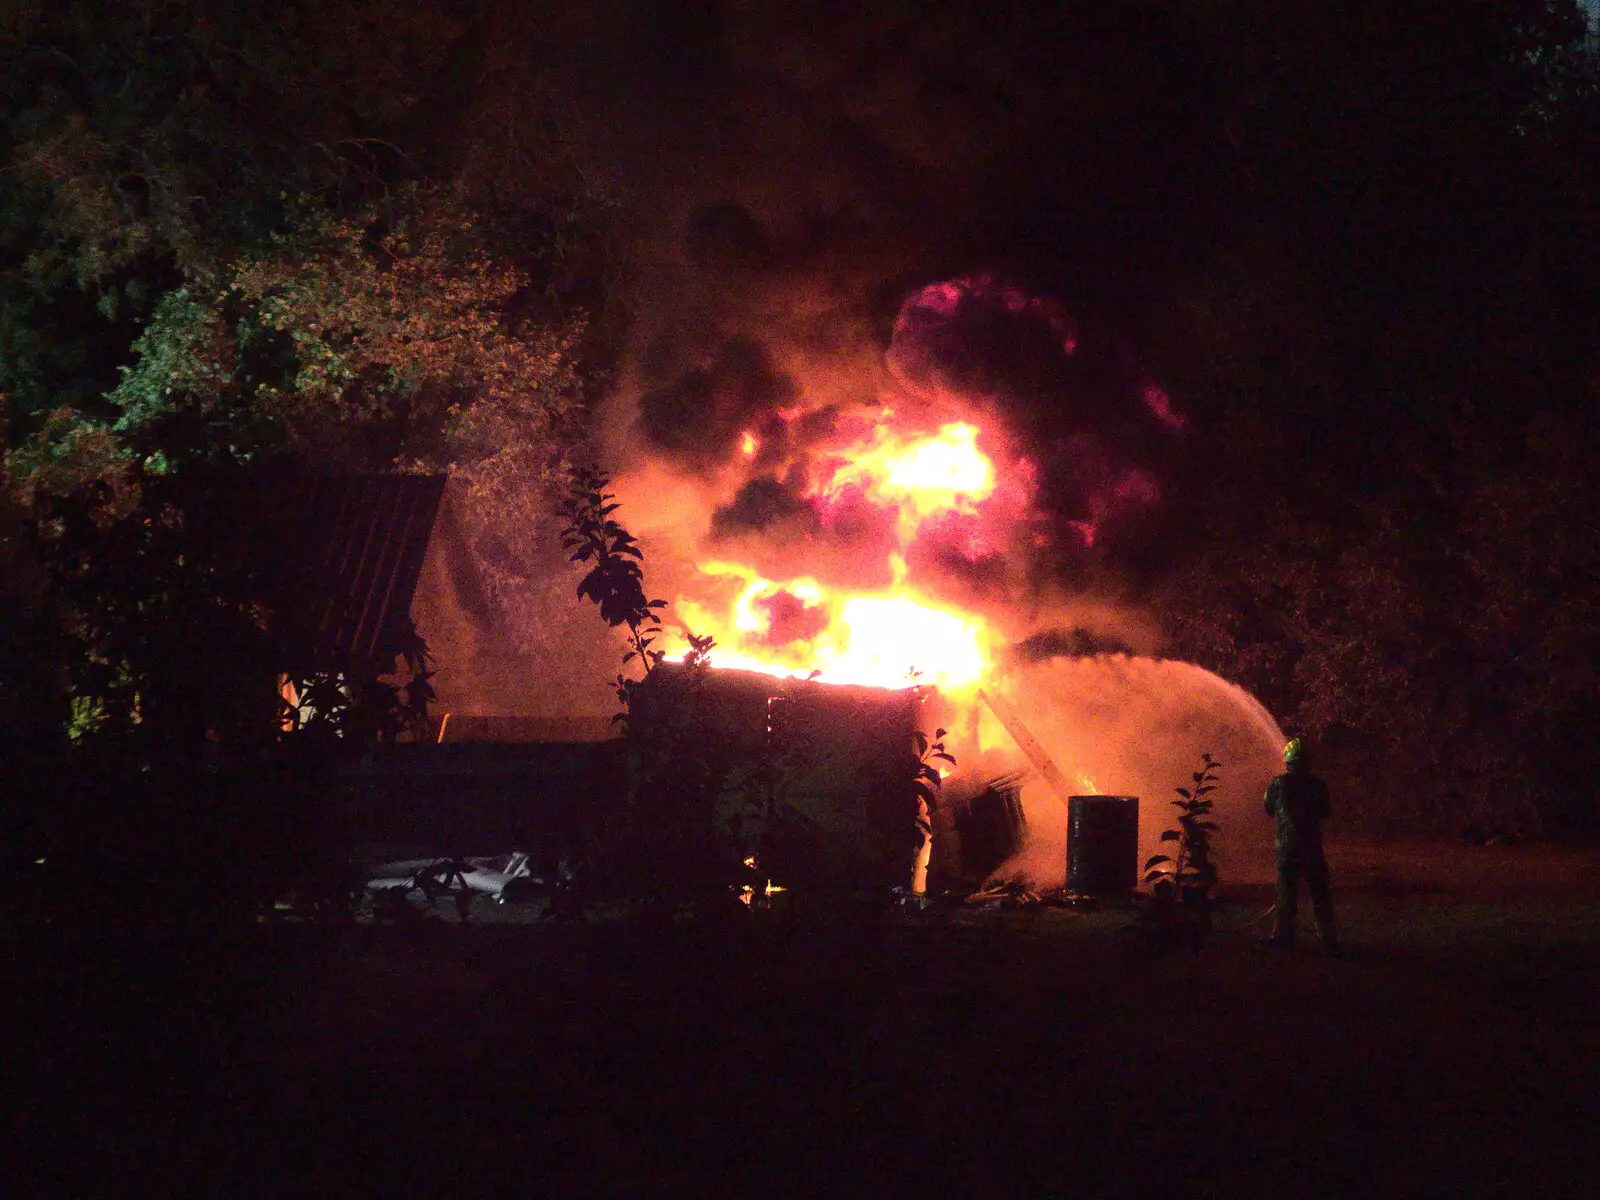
(813, 778)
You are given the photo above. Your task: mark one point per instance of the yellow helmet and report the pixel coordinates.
(1295, 750)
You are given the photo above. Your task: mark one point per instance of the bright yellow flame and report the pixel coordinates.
(892, 637)
(896, 635)
(880, 639)
(922, 476)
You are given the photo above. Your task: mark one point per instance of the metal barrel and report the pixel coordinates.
(1102, 844)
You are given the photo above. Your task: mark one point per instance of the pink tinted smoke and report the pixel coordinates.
(1160, 404)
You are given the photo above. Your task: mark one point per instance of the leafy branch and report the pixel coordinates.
(926, 784)
(927, 781)
(615, 579)
(1192, 866)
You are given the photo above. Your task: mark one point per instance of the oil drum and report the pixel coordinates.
(1102, 844)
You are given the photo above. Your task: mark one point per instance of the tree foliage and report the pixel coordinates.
(146, 143)
(614, 581)
(387, 336)
(1436, 632)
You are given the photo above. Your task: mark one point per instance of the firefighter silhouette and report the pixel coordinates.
(1298, 801)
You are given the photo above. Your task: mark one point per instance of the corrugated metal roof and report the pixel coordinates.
(355, 550)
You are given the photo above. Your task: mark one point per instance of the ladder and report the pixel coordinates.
(1028, 743)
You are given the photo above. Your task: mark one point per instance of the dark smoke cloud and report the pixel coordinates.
(725, 239)
(986, 337)
(1087, 417)
(702, 416)
(1072, 642)
(787, 176)
(779, 528)
(981, 335)
(791, 619)
(852, 521)
(766, 505)
(960, 550)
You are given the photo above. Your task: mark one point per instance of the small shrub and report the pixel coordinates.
(1182, 882)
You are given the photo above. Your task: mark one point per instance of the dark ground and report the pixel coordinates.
(1452, 1050)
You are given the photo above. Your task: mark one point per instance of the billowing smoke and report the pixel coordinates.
(742, 416)
(751, 448)
(819, 274)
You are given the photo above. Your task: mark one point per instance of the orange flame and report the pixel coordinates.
(887, 639)
(921, 476)
(892, 637)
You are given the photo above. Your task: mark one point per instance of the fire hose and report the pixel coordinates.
(1041, 760)
(1257, 919)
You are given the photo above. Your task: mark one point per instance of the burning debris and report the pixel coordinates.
(905, 516)
(809, 779)
(912, 523)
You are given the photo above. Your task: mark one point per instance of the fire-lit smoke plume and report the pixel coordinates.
(909, 526)
(795, 368)
(918, 512)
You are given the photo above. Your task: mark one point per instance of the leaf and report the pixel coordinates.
(1184, 792)
(1171, 835)
(1156, 858)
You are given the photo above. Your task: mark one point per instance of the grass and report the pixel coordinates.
(1453, 1050)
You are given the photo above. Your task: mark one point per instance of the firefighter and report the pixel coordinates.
(1298, 801)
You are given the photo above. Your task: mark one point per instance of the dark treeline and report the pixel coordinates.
(1356, 245)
